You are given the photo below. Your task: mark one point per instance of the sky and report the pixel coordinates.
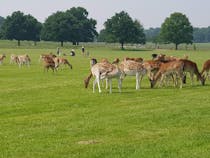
(150, 13)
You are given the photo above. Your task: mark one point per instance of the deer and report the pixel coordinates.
(93, 61)
(2, 58)
(169, 68)
(106, 71)
(62, 61)
(205, 70)
(191, 67)
(13, 59)
(133, 68)
(48, 62)
(24, 60)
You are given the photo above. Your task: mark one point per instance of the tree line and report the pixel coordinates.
(200, 35)
(73, 25)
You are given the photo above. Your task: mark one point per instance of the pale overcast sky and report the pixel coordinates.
(151, 13)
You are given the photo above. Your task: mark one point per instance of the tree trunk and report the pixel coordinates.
(176, 46)
(74, 43)
(77, 43)
(18, 42)
(122, 43)
(34, 43)
(61, 43)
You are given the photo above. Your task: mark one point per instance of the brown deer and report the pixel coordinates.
(2, 58)
(59, 61)
(206, 68)
(191, 67)
(169, 68)
(48, 62)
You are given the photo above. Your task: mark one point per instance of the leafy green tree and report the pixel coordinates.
(57, 27)
(20, 27)
(84, 29)
(1, 23)
(72, 25)
(104, 36)
(121, 28)
(33, 28)
(177, 29)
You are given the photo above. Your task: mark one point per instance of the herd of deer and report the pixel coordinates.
(49, 60)
(161, 67)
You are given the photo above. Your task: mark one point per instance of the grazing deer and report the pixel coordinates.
(106, 71)
(24, 60)
(133, 68)
(191, 67)
(205, 70)
(152, 67)
(48, 62)
(93, 61)
(2, 58)
(51, 55)
(62, 61)
(13, 59)
(169, 68)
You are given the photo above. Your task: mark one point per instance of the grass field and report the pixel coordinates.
(53, 115)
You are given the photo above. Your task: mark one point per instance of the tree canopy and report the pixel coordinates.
(177, 29)
(20, 27)
(121, 28)
(1, 21)
(72, 25)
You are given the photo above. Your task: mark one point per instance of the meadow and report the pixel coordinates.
(46, 114)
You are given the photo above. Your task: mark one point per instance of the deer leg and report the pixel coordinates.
(94, 85)
(120, 84)
(191, 77)
(107, 83)
(98, 82)
(137, 81)
(161, 80)
(110, 85)
(180, 74)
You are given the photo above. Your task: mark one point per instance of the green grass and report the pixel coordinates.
(53, 115)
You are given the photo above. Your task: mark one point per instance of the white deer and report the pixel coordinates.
(106, 71)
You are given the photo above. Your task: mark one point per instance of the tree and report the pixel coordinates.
(1, 23)
(104, 36)
(177, 29)
(57, 27)
(20, 27)
(33, 28)
(84, 29)
(72, 25)
(121, 28)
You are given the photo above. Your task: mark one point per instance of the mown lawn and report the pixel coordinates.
(53, 115)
